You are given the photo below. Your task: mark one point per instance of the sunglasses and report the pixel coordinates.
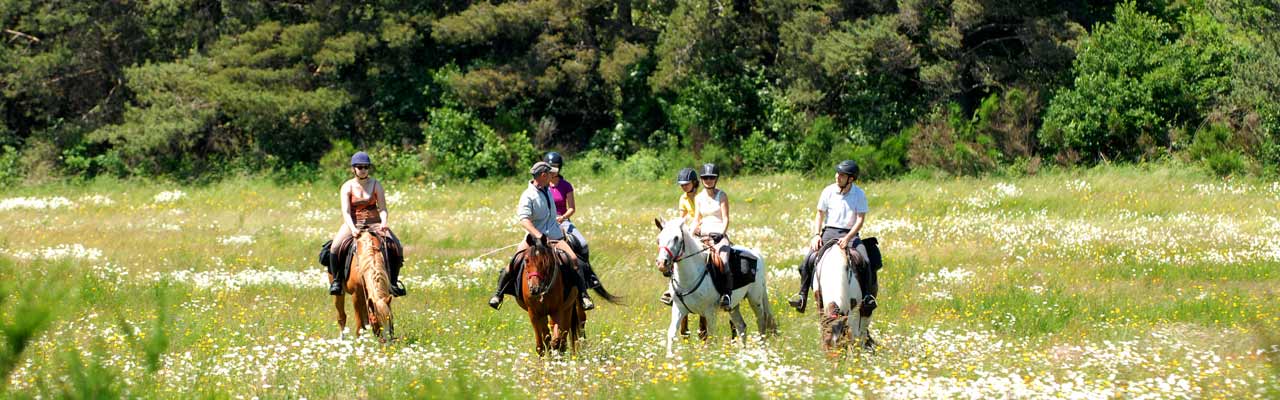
(361, 166)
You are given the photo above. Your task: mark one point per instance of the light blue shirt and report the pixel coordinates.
(536, 206)
(842, 208)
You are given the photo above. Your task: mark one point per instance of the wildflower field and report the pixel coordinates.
(1128, 282)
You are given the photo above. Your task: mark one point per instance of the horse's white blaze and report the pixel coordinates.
(704, 300)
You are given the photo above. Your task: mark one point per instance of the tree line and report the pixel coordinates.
(460, 89)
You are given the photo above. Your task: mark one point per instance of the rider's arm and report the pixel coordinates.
(858, 219)
(817, 222)
(528, 227)
(569, 208)
(345, 195)
(382, 205)
(724, 210)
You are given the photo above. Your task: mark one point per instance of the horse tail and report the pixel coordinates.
(604, 294)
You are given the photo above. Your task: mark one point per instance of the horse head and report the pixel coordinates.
(672, 239)
(540, 258)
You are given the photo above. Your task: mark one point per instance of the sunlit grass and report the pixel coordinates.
(1119, 281)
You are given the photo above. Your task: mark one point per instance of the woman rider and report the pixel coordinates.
(364, 204)
(842, 210)
(562, 196)
(688, 208)
(711, 219)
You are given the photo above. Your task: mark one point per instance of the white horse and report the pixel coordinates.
(692, 289)
(837, 292)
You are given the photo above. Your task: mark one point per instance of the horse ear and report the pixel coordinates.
(657, 222)
(543, 240)
(528, 239)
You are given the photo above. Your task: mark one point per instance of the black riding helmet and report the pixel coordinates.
(686, 175)
(709, 169)
(848, 167)
(554, 159)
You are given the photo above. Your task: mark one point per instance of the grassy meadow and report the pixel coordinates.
(1129, 282)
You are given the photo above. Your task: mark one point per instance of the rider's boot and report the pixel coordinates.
(799, 300)
(725, 253)
(397, 288)
(339, 273)
(867, 283)
(504, 279)
(582, 290)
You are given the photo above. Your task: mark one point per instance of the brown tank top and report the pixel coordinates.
(365, 211)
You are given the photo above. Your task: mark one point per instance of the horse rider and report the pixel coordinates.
(364, 203)
(687, 206)
(841, 213)
(711, 220)
(566, 204)
(538, 218)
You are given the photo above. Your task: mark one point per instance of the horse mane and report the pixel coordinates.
(372, 264)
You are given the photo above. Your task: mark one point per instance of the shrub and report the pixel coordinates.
(459, 145)
(1212, 147)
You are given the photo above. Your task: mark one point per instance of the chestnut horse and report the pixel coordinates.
(370, 286)
(547, 293)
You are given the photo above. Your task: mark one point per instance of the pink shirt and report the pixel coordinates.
(559, 192)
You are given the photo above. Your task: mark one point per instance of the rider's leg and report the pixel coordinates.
(866, 281)
(801, 298)
(726, 253)
(506, 278)
(394, 263)
(337, 266)
(581, 281)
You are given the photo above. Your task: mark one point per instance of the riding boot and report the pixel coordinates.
(582, 289)
(725, 256)
(338, 270)
(801, 299)
(505, 279)
(397, 288)
(867, 283)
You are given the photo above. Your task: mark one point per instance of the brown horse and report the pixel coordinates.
(370, 286)
(543, 294)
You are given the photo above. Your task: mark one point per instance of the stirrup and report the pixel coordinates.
(397, 289)
(797, 301)
(725, 300)
(335, 288)
(666, 298)
(495, 301)
(587, 304)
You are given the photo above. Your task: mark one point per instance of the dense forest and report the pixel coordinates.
(460, 89)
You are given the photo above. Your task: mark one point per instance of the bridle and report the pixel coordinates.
(534, 273)
(673, 259)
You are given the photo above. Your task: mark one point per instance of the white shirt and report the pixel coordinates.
(709, 210)
(842, 208)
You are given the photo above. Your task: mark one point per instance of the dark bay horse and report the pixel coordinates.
(551, 299)
(370, 287)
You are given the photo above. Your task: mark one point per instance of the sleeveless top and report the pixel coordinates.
(709, 210)
(365, 211)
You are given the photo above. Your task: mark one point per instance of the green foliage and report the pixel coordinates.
(458, 145)
(1136, 80)
(644, 164)
(1212, 146)
(25, 318)
(155, 342)
(950, 142)
(10, 168)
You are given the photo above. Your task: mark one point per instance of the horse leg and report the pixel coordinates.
(737, 326)
(710, 317)
(360, 303)
(342, 315)
(758, 298)
(539, 331)
(677, 314)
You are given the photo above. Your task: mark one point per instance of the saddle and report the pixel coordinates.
(517, 265)
(392, 252)
(741, 266)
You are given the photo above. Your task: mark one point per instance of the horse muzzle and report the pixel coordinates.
(665, 267)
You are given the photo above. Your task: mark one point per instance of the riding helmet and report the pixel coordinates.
(554, 159)
(686, 175)
(709, 169)
(848, 167)
(360, 158)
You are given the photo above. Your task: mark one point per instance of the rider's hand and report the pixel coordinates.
(697, 231)
(385, 230)
(815, 243)
(843, 242)
(560, 219)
